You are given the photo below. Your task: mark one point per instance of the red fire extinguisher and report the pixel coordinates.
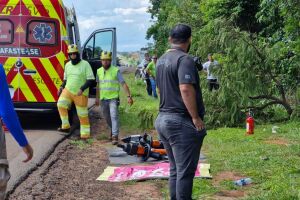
(250, 124)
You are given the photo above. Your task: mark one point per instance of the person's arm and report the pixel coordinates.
(125, 87)
(215, 65)
(148, 69)
(186, 75)
(89, 76)
(127, 91)
(205, 68)
(63, 85)
(97, 101)
(86, 85)
(188, 94)
(10, 117)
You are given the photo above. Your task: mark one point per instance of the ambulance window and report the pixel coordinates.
(41, 33)
(103, 42)
(6, 31)
(88, 50)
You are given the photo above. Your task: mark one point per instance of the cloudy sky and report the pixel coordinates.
(130, 18)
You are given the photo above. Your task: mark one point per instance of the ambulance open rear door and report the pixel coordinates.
(100, 40)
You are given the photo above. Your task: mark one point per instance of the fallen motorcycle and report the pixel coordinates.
(143, 146)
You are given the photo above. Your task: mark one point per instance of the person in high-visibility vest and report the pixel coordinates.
(78, 77)
(10, 118)
(151, 69)
(109, 79)
(147, 77)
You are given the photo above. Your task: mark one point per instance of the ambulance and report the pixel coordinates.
(34, 36)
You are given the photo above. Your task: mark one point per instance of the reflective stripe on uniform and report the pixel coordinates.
(109, 89)
(85, 130)
(108, 81)
(65, 122)
(64, 102)
(82, 111)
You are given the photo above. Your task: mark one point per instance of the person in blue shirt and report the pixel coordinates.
(10, 118)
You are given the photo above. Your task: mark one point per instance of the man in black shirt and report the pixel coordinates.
(181, 111)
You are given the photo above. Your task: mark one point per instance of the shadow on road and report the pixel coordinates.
(39, 121)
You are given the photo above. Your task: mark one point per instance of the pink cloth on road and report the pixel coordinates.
(143, 172)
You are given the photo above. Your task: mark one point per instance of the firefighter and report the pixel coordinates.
(78, 77)
(109, 79)
(9, 116)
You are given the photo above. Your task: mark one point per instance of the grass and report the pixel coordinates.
(229, 149)
(82, 144)
(102, 137)
(131, 117)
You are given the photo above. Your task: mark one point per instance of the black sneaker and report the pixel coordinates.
(64, 130)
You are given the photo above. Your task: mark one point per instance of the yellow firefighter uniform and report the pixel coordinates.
(75, 77)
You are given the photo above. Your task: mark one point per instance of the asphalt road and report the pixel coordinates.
(40, 130)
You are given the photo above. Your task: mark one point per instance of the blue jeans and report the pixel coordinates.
(111, 114)
(183, 143)
(153, 85)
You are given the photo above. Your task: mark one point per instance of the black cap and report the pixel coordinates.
(181, 33)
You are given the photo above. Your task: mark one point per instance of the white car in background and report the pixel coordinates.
(140, 72)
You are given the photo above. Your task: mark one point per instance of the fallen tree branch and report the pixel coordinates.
(274, 101)
(265, 105)
(265, 97)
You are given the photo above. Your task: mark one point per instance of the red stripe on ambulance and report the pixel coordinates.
(57, 66)
(46, 77)
(25, 10)
(59, 9)
(64, 48)
(41, 8)
(3, 6)
(12, 74)
(3, 60)
(19, 96)
(16, 10)
(33, 87)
